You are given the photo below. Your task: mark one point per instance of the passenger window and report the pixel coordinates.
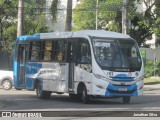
(85, 52)
(59, 50)
(35, 50)
(47, 50)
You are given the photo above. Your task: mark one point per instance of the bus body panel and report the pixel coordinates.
(52, 75)
(83, 74)
(15, 74)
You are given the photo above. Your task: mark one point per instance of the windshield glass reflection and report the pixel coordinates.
(117, 54)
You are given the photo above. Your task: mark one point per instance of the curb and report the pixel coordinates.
(151, 89)
(151, 83)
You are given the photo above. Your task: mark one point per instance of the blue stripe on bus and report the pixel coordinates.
(32, 37)
(15, 74)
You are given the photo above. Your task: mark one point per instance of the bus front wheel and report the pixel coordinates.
(126, 99)
(40, 93)
(74, 96)
(85, 97)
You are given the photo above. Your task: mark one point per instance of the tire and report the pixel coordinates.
(18, 88)
(85, 97)
(7, 84)
(126, 99)
(42, 94)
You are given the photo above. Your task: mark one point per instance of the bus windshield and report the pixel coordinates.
(117, 54)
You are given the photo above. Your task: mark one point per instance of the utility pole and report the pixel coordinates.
(125, 17)
(20, 18)
(97, 15)
(68, 24)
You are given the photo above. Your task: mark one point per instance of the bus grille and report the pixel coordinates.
(121, 92)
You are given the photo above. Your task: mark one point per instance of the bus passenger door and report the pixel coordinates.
(71, 59)
(71, 77)
(22, 54)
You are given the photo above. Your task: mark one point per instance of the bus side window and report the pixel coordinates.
(35, 50)
(47, 53)
(59, 50)
(85, 52)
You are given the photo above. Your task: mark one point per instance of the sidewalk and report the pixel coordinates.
(151, 86)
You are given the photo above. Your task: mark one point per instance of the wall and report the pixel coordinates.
(150, 53)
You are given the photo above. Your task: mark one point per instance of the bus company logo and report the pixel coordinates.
(6, 114)
(122, 83)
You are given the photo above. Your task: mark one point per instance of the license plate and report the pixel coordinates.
(122, 89)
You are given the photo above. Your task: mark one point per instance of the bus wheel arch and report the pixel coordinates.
(41, 93)
(82, 91)
(36, 83)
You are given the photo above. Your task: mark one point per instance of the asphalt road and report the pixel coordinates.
(24, 100)
(27, 100)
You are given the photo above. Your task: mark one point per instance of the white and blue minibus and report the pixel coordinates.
(85, 64)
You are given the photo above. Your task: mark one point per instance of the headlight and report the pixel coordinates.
(100, 76)
(140, 79)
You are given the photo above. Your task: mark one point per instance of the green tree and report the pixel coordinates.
(54, 10)
(84, 15)
(143, 24)
(34, 17)
(109, 15)
(7, 24)
(34, 21)
(146, 23)
(149, 68)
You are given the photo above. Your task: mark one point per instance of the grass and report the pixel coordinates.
(152, 80)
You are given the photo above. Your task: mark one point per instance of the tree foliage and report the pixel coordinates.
(142, 24)
(145, 23)
(109, 15)
(8, 15)
(34, 20)
(54, 10)
(150, 67)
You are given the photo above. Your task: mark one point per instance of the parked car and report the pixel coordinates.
(6, 79)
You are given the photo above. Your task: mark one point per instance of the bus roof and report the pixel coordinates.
(81, 33)
(99, 33)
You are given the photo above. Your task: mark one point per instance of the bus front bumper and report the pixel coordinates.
(116, 90)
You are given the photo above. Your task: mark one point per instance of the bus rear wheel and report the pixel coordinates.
(42, 94)
(126, 99)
